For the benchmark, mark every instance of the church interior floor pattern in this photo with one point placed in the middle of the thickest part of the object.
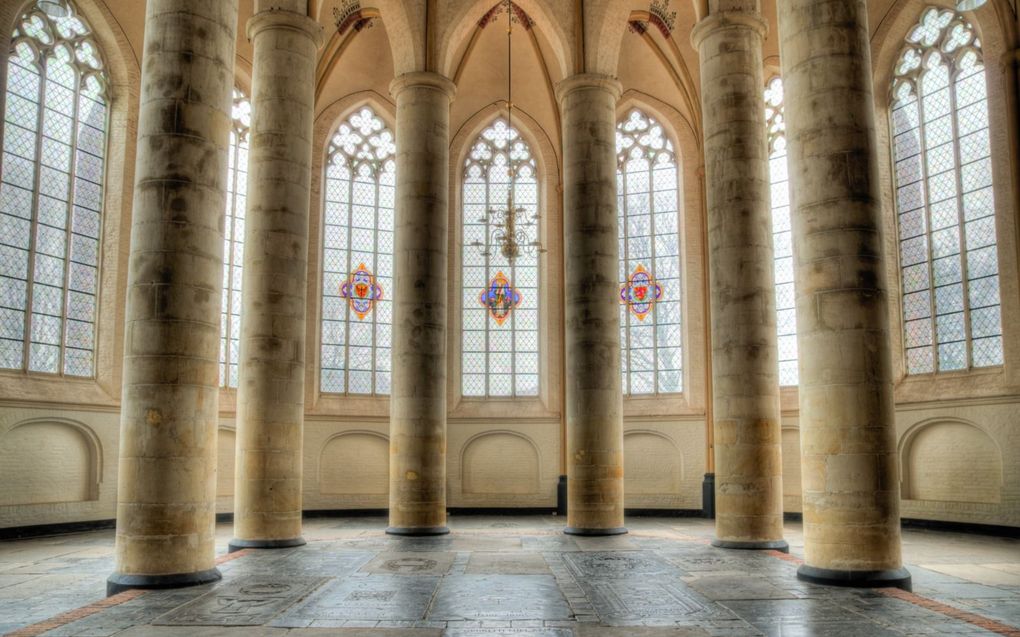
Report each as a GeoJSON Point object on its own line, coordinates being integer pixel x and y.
{"type": "Point", "coordinates": [514, 575]}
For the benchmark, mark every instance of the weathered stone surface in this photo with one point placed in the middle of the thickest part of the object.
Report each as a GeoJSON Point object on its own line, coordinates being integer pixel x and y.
{"type": "Point", "coordinates": [499, 597]}
{"type": "Point", "coordinates": [252, 601]}
{"type": "Point", "coordinates": [418, 563]}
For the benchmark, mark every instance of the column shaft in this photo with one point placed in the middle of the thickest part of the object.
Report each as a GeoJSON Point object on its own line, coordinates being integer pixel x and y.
{"type": "Point", "coordinates": [594, 399]}
{"type": "Point", "coordinates": [745, 368]}
{"type": "Point", "coordinates": [166, 480]}
{"type": "Point", "coordinates": [418, 394]}
{"type": "Point", "coordinates": [270, 395]}
{"type": "Point", "coordinates": [847, 432]}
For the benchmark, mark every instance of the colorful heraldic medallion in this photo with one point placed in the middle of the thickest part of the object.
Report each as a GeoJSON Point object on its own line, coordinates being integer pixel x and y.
{"type": "Point", "coordinates": [640, 292]}
{"type": "Point", "coordinates": [500, 298]}
{"type": "Point", "coordinates": [361, 291]}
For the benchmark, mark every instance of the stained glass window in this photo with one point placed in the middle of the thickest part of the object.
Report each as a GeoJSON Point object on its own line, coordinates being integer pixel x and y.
{"type": "Point", "coordinates": [944, 202]}
{"type": "Point", "coordinates": [357, 257]}
{"type": "Point", "coordinates": [786, 311]}
{"type": "Point", "coordinates": [499, 298]}
{"type": "Point", "coordinates": [233, 241]}
{"type": "Point", "coordinates": [51, 196]}
{"type": "Point", "coordinates": [649, 209]}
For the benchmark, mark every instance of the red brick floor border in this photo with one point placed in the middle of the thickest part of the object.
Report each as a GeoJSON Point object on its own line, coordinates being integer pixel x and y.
{"type": "Point", "coordinates": [64, 619]}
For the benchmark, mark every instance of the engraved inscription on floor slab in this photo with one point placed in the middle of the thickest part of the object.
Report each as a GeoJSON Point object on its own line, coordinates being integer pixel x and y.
{"type": "Point", "coordinates": [499, 597]}
{"type": "Point", "coordinates": [737, 587]}
{"type": "Point", "coordinates": [252, 602]}
{"type": "Point", "coordinates": [375, 597]}
{"type": "Point", "coordinates": [410, 563]}
{"type": "Point", "coordinates": [508, 632]}
{"type": "Point", "coordinates": [640, 599]}
{"type": "Point", "coordinates": [509, 563]}
{"type": "Point", "coordinates": [617, 564]}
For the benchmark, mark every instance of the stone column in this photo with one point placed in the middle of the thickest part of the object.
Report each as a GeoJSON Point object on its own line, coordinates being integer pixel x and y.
{"type": "Point", "coordinates": [847, 433]}
{"type": "Point", "coordinates": [418, 392]}
{"type": "Point", "coordinates": [166, 495]}
{"type": "Point", "coordinates": [594, 395]}
{"type": "Point", "coordinates": [745, 367]}
{"type": "Point", "coordinates": [270, 394]}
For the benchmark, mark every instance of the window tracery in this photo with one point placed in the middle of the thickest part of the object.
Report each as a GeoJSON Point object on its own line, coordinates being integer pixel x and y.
{"type": "Point", "coordinates": [648, 211]}
{"type": "Point", "coordinates": [944, 200]}
{"type": "Point", "coordinates": [499, 304]}
{"type": "Point", "coordinates": [51, 195]}
{"type": "Point", "coordinates": [357, 259]}
{"type": "Point", "coordinates": [782, 245]}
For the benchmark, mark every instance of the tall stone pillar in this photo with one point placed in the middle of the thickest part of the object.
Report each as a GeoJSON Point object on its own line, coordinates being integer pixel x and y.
{"type": "Point", "coordinates": [270, 394]}
{"type": "Point", "coordinates": [745, 368]}
{"type": "Point", "coordinates": [166, 495]}
{"type": "Point", "coordinates": [847, 434]}
{"type": "Point", "coordinates": [418, 391]}
{"type": "Point", "coordinates": [594, 395]}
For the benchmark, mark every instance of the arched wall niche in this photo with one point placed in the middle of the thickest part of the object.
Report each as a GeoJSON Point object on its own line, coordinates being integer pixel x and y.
{"type": "Point", "coordinates": [950, 460]}
{"type": "Point", "coordinates": [123, 76]}
{"type": "Point", "coordinates": [550, 267]}
{"type": "Point", "coordinates": [355, 463]}
{"type": "Point", "coordinates": [327, 122]}
{"type": "Point", "coordinates": [693, 259]}
{"type": "Point", "coordinates": [49, 460]}
{"type": "Point", "coordinates": [996, 27]}
{"type": "Point", "coordinates": [501, 462]}
{"type": "Point", "coordinates": [653, 464]}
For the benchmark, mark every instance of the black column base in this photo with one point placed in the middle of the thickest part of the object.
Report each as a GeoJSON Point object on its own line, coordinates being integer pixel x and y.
{"type": "Point", "coordinates": [561, 496]}
{"type": "Point", "coordinates": [708, 496]}
{"type": "Point", "coordinates": [892, 578]}
{"type": "Point", "coordinates": [573, 530]}
{"type": "Point", "coordinates": [417, 531]}
{"type": "Point", "coordinates": [764, 545]}
{"type": "Point", "coordinates": [118, 583]}
{"type": "Point", "coordinates": [238, 545]}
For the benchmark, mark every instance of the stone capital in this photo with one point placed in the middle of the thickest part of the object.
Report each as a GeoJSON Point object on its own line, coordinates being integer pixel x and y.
{"type": "Point", "coordinates": [728, 20]}
{"type": "Point", "coordinates": [423, 79]}
{"type": "Point", "coordinates": [588, 81]}
{"type": "Point", "coordinates": [281, 19]}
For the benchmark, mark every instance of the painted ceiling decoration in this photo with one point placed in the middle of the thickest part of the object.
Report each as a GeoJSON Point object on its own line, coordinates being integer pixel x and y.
{"type": "Point", "coordinates": [350, 16]}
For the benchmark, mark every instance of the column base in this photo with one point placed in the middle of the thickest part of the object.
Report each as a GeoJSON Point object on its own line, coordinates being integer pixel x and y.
{"type": "Point", "coordinates": [892, 578]}
{"type": "Point", "coordinates": [118, 583]}
{"type": "Point", "coordinates": [762, 545]}
{"type": "Point", "coordinates": [417, 531]}
{"type": "Point", "coordinates": [238, 545]}
{"type": "Point", "coordinates": [573, 530]}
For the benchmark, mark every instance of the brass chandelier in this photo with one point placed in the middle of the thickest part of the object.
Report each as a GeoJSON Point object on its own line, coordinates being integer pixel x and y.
{"type": "Point", "coordinates": [513, 230]}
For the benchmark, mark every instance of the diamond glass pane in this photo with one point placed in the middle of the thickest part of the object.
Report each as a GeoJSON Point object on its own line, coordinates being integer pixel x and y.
{"type": "Point", "coordinates": [233, 241]}
{"type": "Point", "coordinates": [357, 257]}
{"type": "Point", "coordinates": [944, 198]}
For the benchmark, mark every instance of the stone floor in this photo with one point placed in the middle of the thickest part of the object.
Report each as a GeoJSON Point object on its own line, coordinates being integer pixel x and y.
{"type": "Point", "coordinates": [511, 576]}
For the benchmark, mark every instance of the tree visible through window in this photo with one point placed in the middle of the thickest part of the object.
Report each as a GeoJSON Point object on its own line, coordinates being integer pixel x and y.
{"type": "Point", "coordinates": [499, 300]}
{"type": "Point", "coordinates": [357, 257]}
{"type": "Point", "coordinates": [648, 212]}
{"type": "Point", "coordinates": [51, 196]}
{"type": "Point", "coordinates": [233, 241]}
{"type": "Point", "coordinates": [944, 200]}
{"type": "Point", "coordinates": [786, 311]}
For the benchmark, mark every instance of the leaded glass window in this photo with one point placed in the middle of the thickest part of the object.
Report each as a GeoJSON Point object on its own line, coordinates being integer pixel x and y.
{"type": "Point", "coordinates": [944, 201]}
{"type": "Point", "coordinates": [648, 211]}
{"type": "Point", "coordinates": [499, 296]}
{"type": "Point", "coordinates": [233, 241]}
{"type": "Point", "coordinates": [51, 196]}
{"type": "Point", "coordinates": [357, 257]}
{"type": "Point", "coordinates": [786, 311]}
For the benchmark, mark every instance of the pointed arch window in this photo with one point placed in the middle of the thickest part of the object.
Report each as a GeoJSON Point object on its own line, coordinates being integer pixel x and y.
{"type": "Point", "coordinates": [786, 310]}
{"type": "Point", "coordinates": [233, 240]}
{"type": "Point", "coordinates": [944, 202]}
{"type": "Point", "coordinates": [51, 195]}
{"type": "Point", "coordinates": [357, 257]}
{"type": "Point", "coordinates": [499, 298]}
{"type": "Point", "coordinates": [648, 211]}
